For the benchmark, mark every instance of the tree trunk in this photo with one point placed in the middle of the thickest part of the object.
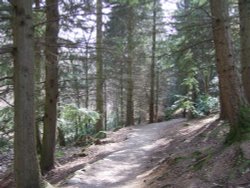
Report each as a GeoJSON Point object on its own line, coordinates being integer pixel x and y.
{"type": "Point", "coordinates": [121, 122]}
{"type": "Point", "coordinates": [51, 85]}
{"type": "Point", "coordinates": [86, 68]}
{"type": "Point", "coordinates": [105, 107]}
{"type": "Point", "coordinates": [130, 83]}
{"type": "Point", "coordinates": [38, 95]}
{"type": "Point", "coordinates": [26, 169]}
{"type": "Point", "coordinates": [244, 10]}
{"type": "Point", "coordinates": [222, 98]}
{"type": "Point", "coordinates": [157, 93]}
{"type": "Point", "coordinates": [99, 67]}
{"type": "Point", "coordinates": [61, 137]}
{"type": "Point", "coordinates": [76, 86]}
{"type": "Point", "coordinates": [152, 69]}
{"type": "Point", "coordinates": [37, 4]}
{"type": "Point", "coordinates": [230, 87]}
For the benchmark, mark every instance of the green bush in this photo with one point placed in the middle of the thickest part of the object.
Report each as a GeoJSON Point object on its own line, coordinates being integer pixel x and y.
{"type": "Point", "coordinates": [207, 104]}
{"type": "Point", "coordinates": [204, 105]}
{"type": "Point", "coordinates": [169, 113]}
{"type": "Point", "coordinates": [76, 122]}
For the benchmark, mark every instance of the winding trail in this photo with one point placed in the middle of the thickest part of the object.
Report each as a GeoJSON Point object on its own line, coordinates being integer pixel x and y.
{"type": "Point", "coordinates": [130, 162]}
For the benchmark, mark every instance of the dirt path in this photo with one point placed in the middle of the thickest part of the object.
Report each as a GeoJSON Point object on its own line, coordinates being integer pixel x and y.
{"type": "Point", "coordinates": [131, 160]}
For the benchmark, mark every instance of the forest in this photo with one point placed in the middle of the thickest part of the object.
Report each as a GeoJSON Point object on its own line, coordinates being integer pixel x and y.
{"type": "Point", "coordinates": [124, 93]}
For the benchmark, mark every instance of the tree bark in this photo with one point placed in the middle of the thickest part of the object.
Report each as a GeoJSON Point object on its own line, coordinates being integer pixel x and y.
{"type": "Point", "coordinates": [244, 10]}
{"type": "Point", "coordinates": [61, 137]}
{"type": "Point", "coordinates": [86, 68]}
{"type": "Point", "coordinates": [99, 67]}
{"type": "Point", "coordinates": [51, 85]}
{"type": "Point", "coordinates": [105, 107]}
{"type": "Point", "coordinates": [130, 82]}
{"type": "Point", "coordinates": [152, 69]}
{"type": "Point", "coordinates": [157, 93]}
{"type": "Point", "coordinates": [26, 169]}
{"type": "Point", "coordinates": [231, 92]}
{"type": "Point", "coordinates": [121, 80]}
{"type": "Point", "coordinates": [38, 95]}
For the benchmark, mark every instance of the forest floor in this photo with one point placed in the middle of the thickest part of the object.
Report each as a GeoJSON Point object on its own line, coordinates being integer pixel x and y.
{"type": "Point", "coordinates": [172, 154]}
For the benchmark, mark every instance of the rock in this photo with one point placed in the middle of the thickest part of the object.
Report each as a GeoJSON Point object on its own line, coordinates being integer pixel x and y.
{"type": "Point", "coordinates": [82, 154]}
{"type": "Point", "coordinates": [98, 142]}
{"type": "Point", "coordinates": [245, 148]}
{"type": "Point", "coordinates": [48, 185]}
{"type": "Point", "coordinates": [186, 124]}
{"type": "Point", "coordinates": [73, 181]}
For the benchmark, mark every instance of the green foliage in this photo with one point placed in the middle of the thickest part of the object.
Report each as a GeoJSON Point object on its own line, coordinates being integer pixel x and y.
{"type": "Point", "coordinates": [7, 117]}
{"type": "Point", "coordinates": [204, 105]}
{"type": "Point", "coordinates": [77, 122]}
{"type": "Point", "coordinates": [169, 113]}
{"type": "Point", "coordinates": [4, 143]}
{"type": "Point", "coordinates": [190, 82]}
{"type": "Point", "coordinates": [191, 55]}
{"type": "Point", "coordinates": [207, 104]}
{"type": "Point", "coordinates": [39, 17]}
{"type": "Point", "coordinates": [6, 126]}
{"type": "Point", "coordinates": [130, 2]}
{"type": "Point", "coordinates": [71, 113]}
{"type": "Point", "coordinates": [184, 102]}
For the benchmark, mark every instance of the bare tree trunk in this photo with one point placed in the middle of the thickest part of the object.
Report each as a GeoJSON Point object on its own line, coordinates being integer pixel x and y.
{"type": "Point", "coordinates": [37, 4]}
{"type": "Point", "coordinates": [121, 95]}
{"type": "Point", "coordinates": [152, 69]}
{"type": "Point", "coordinates": [86, 68]}
{"type": "Point", "coordinates": [26, 169]}
{"type": "Point", "coordinates": [51, 85]}
{"type": "Point", "coordinates": [38, 98]}
{"type": "Point", "coordinates": [222, 97]}
{"type": "Point", "coordinates": [76, 86]}
{"type": "Point", "coordinates": [105, 107]}
{"type": "Point", "coordinates": [99, 67]}
{"type": "Point", "coordinates": [130, 82]}
{"type": "Point", "coordinates": [61, 137]}
{"type": "Point", "coordinates": [230, 87]}
{"type": "Point", "coordinates": [157, 93]}
{"type": "Point", "coordinates": [244, 9]}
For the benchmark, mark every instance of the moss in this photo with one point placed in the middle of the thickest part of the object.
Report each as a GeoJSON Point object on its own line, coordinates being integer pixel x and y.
{"type": "Point", "coordinates": [241, 132]}
{"type": "Point", "coordinates": [241, 167]}
{"type": "Point", "coordinates": [201, 158]}
{"type": "Point", "coordinates": [242, 163]}
{"type": "Point", "coordinates": [179, 159]}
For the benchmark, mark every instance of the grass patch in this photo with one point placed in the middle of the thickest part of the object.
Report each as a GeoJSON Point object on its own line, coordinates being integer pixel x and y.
{"type": "Point", "coordinates": [59, 154]}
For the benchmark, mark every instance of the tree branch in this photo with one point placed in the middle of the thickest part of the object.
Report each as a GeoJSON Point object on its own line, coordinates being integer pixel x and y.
{"type": "Point", "coordinates": [6, 78]}
{"type": "Point", "coordinates": [1, 98]}
{"type": "Point", "coordinates": [6, 49]}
